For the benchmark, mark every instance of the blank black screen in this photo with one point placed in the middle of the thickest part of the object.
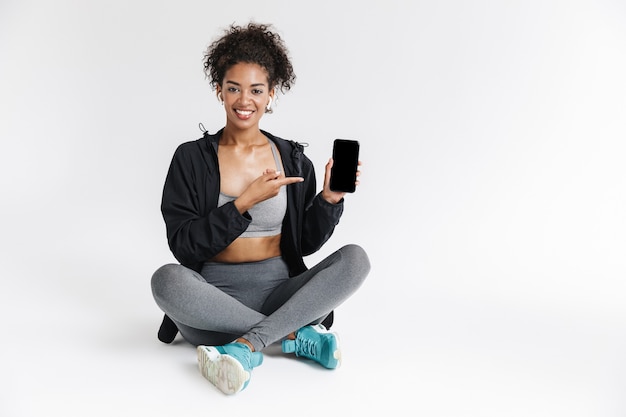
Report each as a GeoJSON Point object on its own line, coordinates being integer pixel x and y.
{"type": "Point", "coordinates": [345, 162]}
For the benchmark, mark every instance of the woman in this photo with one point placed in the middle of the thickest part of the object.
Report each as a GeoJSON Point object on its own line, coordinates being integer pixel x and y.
{"type": "Point", "coordinates": [241, 210]}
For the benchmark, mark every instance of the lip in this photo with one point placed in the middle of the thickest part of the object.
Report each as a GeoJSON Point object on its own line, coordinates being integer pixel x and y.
{"type": "Point", "coordinates": [244, 114]}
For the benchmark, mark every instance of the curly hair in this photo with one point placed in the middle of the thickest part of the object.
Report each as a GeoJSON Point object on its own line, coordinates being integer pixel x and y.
{"type": "Point", "coordinates": [254, 43]}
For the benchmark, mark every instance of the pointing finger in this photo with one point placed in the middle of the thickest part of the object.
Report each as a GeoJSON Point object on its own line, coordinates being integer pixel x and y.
{"type": "Point", "coordinates": [289, 180]}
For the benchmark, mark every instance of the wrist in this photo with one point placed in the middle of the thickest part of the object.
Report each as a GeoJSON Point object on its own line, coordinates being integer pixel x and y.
{"type": "Point", "coordinates": [332, 199]}
{"type": "Point", "coordinates": [242, 205]}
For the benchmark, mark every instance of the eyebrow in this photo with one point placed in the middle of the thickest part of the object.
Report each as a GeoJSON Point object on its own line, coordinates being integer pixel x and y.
{"type": "Point", "coordinates": [253, 85]}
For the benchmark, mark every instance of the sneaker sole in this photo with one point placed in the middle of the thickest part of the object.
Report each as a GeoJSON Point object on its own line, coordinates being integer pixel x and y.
{"type": "Point", "coordinates": [336, 353]}
{"type": "Point", "coordinates": [335, 348]}
{"type": "Point", "coordinates": [223, 371]}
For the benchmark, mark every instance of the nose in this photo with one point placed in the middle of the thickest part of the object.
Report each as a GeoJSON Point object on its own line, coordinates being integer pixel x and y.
{"type": "Point", "coordinates": [245, 97]}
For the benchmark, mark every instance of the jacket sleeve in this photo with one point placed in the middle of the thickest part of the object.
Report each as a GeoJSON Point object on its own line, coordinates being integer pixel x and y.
{"type": "Point", "coordinates": [196, 233]}
{"type": "Point", "coordinates": [320, 216]}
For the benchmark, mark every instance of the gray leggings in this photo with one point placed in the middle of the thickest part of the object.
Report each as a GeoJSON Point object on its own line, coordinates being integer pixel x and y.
{"type": "Point", "coordinates": [257, 301]}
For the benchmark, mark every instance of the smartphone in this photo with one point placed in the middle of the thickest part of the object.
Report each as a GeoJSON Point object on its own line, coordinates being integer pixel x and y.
{"type": "Point", "coordinates": [345, 165]}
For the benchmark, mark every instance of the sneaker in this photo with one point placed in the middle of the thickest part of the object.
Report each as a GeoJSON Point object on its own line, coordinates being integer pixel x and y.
{"type": "Point", "coordinates": [316, 343]}
{"type": "Point", "coordinates": [168, 330]}
{"type": "Point", "coordinates": [228, 367]}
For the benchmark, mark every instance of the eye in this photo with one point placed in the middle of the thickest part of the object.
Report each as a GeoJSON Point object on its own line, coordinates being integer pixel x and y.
{"type": "Point", "coordinates": [257, 91]}
{"type": "Point", "coordinates": [233, 89]}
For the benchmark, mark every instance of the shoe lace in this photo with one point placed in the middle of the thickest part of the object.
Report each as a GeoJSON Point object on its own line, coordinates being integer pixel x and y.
{"type": "Point", "coordinates": [308, 347]}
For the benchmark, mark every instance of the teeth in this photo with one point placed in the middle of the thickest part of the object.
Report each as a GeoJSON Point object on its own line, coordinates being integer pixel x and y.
{"type": "Point", "coordinates": [244, 112]}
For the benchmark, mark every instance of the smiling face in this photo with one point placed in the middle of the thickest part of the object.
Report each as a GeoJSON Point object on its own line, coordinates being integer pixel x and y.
{"type": "Point", "coordinates": [246, 93]}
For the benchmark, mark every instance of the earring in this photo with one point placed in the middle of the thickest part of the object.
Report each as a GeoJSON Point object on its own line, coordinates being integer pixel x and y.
{"type": "Point", "coordinates": [268, 108]}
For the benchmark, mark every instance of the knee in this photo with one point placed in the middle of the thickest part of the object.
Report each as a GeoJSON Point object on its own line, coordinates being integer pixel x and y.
{"type": "Point", "coordinates": [357, 258]}
{"type": "Point", "coordinates": [162, 278]}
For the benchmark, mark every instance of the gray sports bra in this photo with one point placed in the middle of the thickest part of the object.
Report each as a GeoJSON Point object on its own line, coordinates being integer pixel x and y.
{"type": "Point", "coordinates": [267, 216]}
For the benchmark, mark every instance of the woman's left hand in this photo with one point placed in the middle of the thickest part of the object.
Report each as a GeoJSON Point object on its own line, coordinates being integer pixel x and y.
{"type": "Point", "coordinates": [334, 197]}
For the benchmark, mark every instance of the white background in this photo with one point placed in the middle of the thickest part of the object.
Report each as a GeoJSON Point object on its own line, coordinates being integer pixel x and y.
{"type": "Point", "coordinates": [492, 203]}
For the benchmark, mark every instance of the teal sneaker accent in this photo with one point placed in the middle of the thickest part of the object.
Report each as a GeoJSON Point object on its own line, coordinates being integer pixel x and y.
{"type": "Point", "coordinates": [228, 367]}
{"type": "Point", "coordinates": [316, 343]}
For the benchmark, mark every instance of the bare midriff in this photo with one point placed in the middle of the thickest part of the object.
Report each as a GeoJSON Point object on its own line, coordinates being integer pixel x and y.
{"type": "Point", "coordinates": [250, 249]}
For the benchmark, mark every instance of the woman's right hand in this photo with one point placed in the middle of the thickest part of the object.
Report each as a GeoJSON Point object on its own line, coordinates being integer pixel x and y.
{"type": "Point", "coordinates": [263, 188]}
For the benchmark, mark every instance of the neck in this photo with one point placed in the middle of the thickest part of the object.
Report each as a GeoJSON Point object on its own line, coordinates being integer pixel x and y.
{"type": "Point", "coordinates": [247, 137]}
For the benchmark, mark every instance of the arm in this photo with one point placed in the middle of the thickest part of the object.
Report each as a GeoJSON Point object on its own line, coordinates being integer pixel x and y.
{"type": "Point", "coordinates": [325, 211]}
{"type": "Point", "coordinates": [196, 233]}
{"type": "Point", "coordinates": [320, 216]}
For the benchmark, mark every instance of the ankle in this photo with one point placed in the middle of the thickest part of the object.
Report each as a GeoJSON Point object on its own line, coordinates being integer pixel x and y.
{"type": "Point", "coordinates": [245, 342]}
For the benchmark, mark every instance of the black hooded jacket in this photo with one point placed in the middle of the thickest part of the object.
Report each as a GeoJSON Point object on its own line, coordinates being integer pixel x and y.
{"type": "Point", "coordinates": [197, 229]}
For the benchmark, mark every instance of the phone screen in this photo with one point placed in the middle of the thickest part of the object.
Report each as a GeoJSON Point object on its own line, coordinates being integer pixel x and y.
{"type": "Point", "coordinates": [345, 165]}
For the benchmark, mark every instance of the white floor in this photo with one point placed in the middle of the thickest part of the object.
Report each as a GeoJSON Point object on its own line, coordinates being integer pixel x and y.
{"type": "Point", "coordinates": [81, 342]}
